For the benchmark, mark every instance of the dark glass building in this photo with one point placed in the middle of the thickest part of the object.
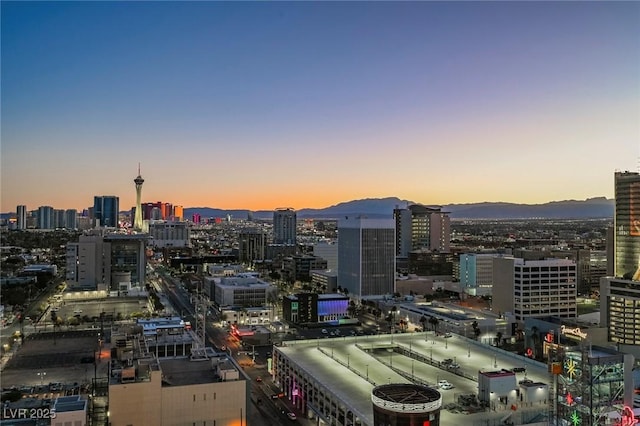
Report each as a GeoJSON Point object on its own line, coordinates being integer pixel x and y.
{"type": "Point", "coordinates": [105, 211]}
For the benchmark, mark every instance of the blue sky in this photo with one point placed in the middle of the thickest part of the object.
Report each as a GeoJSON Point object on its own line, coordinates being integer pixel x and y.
{"type": "Point", "coordinates": [307, 104]}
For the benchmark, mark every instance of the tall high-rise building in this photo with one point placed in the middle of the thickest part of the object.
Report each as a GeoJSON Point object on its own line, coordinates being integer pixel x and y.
{"type": "Point", "coordinates": [419, 227]}
{"type": "Point", "coordinates": [45, 217]}
{"type": "Point", "coordinates": [626, 224]}
{"type": "Point", "coordinates": [284, 226]}
{"type": "Point", "coordinates": [137, 221]}
{"type": "Point", "coordinates": [59, 219]}
{"type": "Point", "coordinates": [21, 211]}
{"type": "Point", "coordinates": [366, 256]}
{"type": "Point", "coordinates": [71, 219]}
{"type": "Point", "coordinates": [105, 211]}
{"type": "Point", "coordinates": [620, 294]}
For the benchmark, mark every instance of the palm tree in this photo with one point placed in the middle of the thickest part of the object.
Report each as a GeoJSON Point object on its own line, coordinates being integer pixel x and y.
{"type": "Point", "coordinates": [477, 332]}
{"type": "Point", "coordinates": [434, 322]}
{"type": "Point", "coordinates": [351, 309]}
{"type": "Point", "coordinates": [535, 337]}
{"type": "Point", "coordinates": [423, 320]}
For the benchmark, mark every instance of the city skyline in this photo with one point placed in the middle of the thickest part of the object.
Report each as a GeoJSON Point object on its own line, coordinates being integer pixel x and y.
{"type": "Point", "coordinates": [260, 105]}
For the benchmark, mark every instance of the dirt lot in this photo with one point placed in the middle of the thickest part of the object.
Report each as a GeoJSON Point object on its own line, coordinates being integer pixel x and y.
{"type": "Point", "coordinates": [60, 358]}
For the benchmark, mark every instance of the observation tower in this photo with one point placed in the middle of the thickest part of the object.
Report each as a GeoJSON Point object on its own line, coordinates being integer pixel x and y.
{"type": "Point", "coordinates": [137, 222]}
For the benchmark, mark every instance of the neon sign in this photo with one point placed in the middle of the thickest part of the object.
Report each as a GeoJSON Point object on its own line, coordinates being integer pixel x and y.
{"type": "Point", "coordinates": [573, 331]}
{"type": "Point", "coordinates": [627, 417]}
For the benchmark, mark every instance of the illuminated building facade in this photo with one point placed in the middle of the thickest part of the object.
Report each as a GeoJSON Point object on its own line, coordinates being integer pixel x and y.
{"type": "Point", "coordinates": [627, 226]}
{"type": "Point", "coordinates": [594, 384]}
{"type": "Point", "coordinates": [313, 308]}
{"type": "Point", "coordinates": [419, 227]}
{"type": "Point", "coordinates": [620, 295]}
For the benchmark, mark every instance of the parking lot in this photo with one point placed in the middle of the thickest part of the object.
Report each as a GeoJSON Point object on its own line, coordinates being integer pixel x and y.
{"type": "Point", "coordinates": [91, 309]}
{"type": "Point", "coordinates": [66, 357]}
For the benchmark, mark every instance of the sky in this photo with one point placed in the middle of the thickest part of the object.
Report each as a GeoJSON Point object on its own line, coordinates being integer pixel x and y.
{"type": "Point", "coordinates": [261, 105]}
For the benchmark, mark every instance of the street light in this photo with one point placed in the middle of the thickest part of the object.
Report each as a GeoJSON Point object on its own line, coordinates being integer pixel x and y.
{"type": "Point", "coordinates": [348, 364]}
{"type": "Point", "coordinates": [41, 374]}
{"type": "Point", "coordinates": [367, 372]}
{"type": "Point", "coordinates": [468, 351]}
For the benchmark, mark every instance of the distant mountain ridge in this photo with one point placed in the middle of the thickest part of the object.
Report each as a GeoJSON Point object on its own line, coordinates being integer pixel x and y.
{"type": "Point", "coordinates": [593, 208]}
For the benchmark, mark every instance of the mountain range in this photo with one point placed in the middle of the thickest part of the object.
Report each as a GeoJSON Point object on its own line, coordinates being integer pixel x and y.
{"type": "Point", "coordinates": [593, 208]}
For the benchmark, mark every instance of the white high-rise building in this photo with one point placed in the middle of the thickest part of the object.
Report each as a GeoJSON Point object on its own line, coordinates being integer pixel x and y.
{"type": "Point", "coordinates": [366, 256]}
{"type": "Point", "coordinates": [535, 288]}
{"type": "Point", "coordinates": [284, 226]}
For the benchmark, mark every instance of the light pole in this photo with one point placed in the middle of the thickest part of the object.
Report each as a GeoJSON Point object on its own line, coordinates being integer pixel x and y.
{"type": "Point", "coordinates": [431, 354]}
{"type": "Point", "coordinates": [348, 364]}
{"type": "Point", "coordinates": [495, 361]}
{"type": "Point", "coordinates": [468, 351]}
{"type": "Point", "coordinates": [42, 374]}
{"type": "Point", "coordinates": [412, 373]}
{"type": "Point", "coordinates": [367, 372]}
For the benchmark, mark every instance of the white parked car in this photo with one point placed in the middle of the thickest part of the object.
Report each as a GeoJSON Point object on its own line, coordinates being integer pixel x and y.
{"type": "Point", "coordinates": [446, 386]}
{"type": "Point", "coordinates": [442, 382]}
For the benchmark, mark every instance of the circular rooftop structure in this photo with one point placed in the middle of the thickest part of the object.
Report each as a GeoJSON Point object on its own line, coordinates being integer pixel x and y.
{"type": "Point", "coordinates": [406, 398]}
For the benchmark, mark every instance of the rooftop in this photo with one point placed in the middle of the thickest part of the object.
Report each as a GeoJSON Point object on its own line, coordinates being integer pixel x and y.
{"type": "Point", "coordinates": [70, 403]}
{"type": "Point", "coordinates": [183, 372]}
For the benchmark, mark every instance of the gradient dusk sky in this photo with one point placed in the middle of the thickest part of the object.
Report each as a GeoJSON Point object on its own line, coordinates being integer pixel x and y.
{"type": "Point", "coordinates": [261, 105]}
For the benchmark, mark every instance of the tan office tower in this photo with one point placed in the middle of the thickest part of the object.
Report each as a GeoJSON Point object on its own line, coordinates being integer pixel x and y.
{"type": "Point", "coordinates": [627, 226]}
{"type": "Point", "coordinates": [137, 222]}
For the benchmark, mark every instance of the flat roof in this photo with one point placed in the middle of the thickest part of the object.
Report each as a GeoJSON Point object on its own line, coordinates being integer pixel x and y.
{"type": "Point", "coordinates": [501, 373]}
{"type": "Point", "coordinates": [183, 372]}
{"type": "Point", "coordinates": [351, 367]}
